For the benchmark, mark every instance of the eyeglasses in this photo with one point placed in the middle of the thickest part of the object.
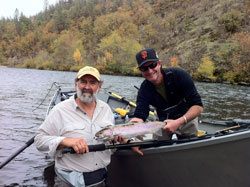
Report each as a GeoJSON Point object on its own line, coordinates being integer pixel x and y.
{"type": "Point", "coordinates": [145, 68]}
{"type": "Point", "coordinates": [85, 82]}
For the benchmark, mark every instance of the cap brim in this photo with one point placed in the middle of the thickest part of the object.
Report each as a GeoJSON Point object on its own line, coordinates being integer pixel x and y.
{"type": "Point", "coordinates": [89, 74]}
{"type": "Point", "coordinates": [148, 60]}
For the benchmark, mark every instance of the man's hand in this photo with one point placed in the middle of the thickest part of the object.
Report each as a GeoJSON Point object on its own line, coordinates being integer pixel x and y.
{"type": "Point", "coordinates": [124, 141]}
{"type": "Point", "coordinates": [78, 144]}
{"type": "Point", "coordinates": [137, 150]}
{"type": "Point", "coordinates": [116, 139]}
{"type": "Point", "coordinates": [171, 126]}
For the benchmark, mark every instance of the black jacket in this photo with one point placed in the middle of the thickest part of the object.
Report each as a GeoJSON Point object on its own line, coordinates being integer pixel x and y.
{"type": "Point", "coordinates": [181, 95]}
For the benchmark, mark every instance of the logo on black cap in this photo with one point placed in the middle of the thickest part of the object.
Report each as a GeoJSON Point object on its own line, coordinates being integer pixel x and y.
{"type": "Point", "coordinates": [146, 55]}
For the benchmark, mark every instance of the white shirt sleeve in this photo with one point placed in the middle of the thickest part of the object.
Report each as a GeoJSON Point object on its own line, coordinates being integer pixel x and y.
{"type": "Point", "coordinates": [47, 137]}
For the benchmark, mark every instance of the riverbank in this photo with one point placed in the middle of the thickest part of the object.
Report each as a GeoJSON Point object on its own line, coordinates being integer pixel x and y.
{"type": "Point", "coordinates": [137, 73]}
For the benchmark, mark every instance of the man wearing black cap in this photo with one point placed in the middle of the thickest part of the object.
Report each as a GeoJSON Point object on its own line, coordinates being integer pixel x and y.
{"type": "Point", "coordinates": [173, 94]}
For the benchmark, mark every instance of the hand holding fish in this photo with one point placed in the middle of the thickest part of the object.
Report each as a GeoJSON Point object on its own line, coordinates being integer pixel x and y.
{"type": "Point", "coordinates": [137, 150]}
{"type": "Point", "coordinates": [117, 139]}
{"type": "Point", "coordinates": [123, 132]}
{"type": "Point", "coordinates": [130, 130]}
{"type": "Point", "coordinates": [124, 141]}
{"type": "Point", "coordinates": [171, 126]}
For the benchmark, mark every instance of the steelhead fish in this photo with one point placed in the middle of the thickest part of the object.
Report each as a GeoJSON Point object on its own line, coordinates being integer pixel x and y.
{"type": "Point", "coordinates": [130, 130]}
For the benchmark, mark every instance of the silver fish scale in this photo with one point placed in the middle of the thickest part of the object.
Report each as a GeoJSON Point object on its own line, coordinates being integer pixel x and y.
{"type": "Point", "coordinates": [130, 130]}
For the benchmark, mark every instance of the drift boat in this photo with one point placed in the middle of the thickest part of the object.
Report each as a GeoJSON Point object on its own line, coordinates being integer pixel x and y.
{"type": "Point", "coordinates": [215, 159]}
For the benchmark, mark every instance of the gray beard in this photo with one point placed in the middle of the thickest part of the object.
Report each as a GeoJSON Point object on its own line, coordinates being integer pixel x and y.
{"type": "Point", "coordinates": [86, 97]}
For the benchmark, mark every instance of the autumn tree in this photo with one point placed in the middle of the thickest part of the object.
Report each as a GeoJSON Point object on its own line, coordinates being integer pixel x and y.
{"type": "Point", "coordinates": [241, 57]}
{"type": "Point", "coordinates": [76, 10]}
{"type": "Point", "coordinates": [174, 62]}
{"type": "Point", "coordinates": [206, 69]}
{"type": "Point", "coordinates": [106, 24]}
{"type": "Point", "coordinates": [77, 57]}
{"type": "Point", "coordinates": [25, 25]}
{"type": "Point", "coordinates": [61, 20]}
{"type": "Point", "coordinates": [63, 51]}
{"type": "Point", "coordinates": [231, 20]}
{"type": "Point", "coordinates": [121, 52]}
{"type": "Point", "coordinates": [45, 9]}
{"type": "Point", "coordinates": [2, 60]}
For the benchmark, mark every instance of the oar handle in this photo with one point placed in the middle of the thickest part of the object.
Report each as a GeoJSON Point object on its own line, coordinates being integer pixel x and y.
{"type": "Point", "coordinates": [68, 150]}
{"type": "Point", "coordinates": [102, 147]}
{"type": "Point", "coordinates": [92, 148]}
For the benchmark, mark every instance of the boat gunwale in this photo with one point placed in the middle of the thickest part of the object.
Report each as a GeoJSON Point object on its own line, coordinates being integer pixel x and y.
{"type": "Point", "coordinates": [213, 140]}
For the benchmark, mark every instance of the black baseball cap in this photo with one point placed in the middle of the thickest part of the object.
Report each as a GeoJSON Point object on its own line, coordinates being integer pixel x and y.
{"type": "Point", "coordinates": [146, 55]}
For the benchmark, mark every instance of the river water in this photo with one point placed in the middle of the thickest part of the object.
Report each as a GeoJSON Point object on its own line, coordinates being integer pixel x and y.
{"type": "Point", "coordinates": [23, 90]}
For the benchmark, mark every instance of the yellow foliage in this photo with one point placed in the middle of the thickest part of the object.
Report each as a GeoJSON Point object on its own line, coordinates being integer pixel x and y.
{"type": "Point", "coordinates": [119, 50]}
{"type": "Point", "coordinates": [136, 71]}
{"type": "Point", "coordinates": [174, 62]}
{"type": "Point", "coordinates": [48, 27]}
{"type": "Point", "coordinates": [206, 68]}
{"type": "Point", "coordinates": [109, 56]}
{"type": "Point", "coordinates": [229, 76]}
{"type": "Point", "coordinates": [104, 61]}
{"type": "Point", "coordinates": [101, 69]}
{"type": "Point", "coordinates": [77, 57]}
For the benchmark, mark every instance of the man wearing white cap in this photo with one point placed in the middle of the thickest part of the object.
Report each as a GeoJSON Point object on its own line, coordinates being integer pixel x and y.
{"type": "Point", "coordinates": [73, 123]}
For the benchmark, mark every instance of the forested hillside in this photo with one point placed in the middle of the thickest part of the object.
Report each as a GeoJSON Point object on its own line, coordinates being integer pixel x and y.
{"type": "Point", "coordinates": [208, 38]}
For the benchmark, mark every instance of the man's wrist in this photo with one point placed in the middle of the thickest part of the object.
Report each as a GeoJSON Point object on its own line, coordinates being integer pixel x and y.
{"type": "Point", "coordinates": [185, 119]}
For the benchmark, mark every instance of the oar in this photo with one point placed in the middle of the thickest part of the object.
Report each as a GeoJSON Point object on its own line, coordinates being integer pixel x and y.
{"type": "Point", "coordinates": [27, 144]}
{"type": "Point", "coordinates": [123, 99]}
{"type": "Point", "coordinates": [145, 144]}
{"type": "Point", "coordinates": [222, 123]}
{"type": "Point", "coordinates": [235, 122]}
{"type": "Point", "coordinates": [227, 129]}
{"type": "Point", "coordinates": [127, 101]}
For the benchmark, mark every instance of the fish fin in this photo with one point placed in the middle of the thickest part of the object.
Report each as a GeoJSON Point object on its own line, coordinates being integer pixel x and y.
{"type": "Point", "coordinates": [158, 133]}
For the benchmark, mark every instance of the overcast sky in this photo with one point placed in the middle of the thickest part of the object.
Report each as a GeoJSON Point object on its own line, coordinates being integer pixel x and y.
{"type": "Point", "coordinates": [27, 7]}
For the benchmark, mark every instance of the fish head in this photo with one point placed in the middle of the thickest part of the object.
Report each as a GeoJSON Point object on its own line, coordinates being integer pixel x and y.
{"type": "Point", "coordinates": [104, 134]}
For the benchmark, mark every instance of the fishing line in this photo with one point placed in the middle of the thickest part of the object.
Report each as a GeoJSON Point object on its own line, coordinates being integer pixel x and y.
{"type": "Point", "coordinates": [54, 83]}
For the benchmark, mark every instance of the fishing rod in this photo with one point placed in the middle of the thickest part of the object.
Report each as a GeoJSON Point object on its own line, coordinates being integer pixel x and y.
{"type": "Point", "coordinates": [144, 144]}
{"type": "Point", "coordinates": [27, 144]}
